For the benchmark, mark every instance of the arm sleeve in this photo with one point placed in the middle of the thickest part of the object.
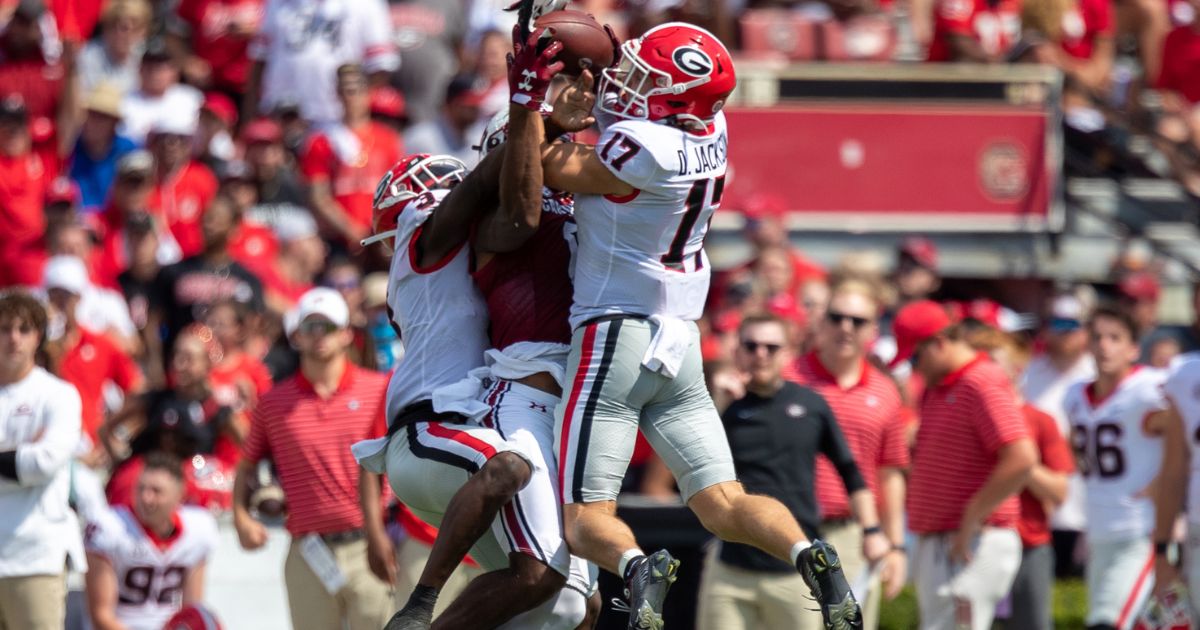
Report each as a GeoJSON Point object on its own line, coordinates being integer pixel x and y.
{"type": "Point", "coordinates": [257, 446]}
{"type": "Point", "coordinates": [998, 417]}
{"type": "Point", "coordinates": [38, 462]}
{"type": "Point", "coordinates": [834, 447]}
{"type": "Point", "coordinates": [629, 157]}
{"type": "Point", "coordinates": [379, 52]}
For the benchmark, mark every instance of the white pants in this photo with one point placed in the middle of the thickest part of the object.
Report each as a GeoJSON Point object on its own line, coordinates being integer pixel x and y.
{"type": "Point", "coordinates": [1120, 578]}
{"type": "Point", "coordinates": [952, 595]}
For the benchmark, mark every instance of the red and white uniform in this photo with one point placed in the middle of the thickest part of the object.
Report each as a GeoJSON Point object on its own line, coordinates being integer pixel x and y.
{"type": "Point", "coordinates": [151, 572]}
{"type": "Point", "coordinates": [302, 43]}
{"type": "Point", "coordinates": [1118, 460]}
{"type": "Point", "coordinates": [996, 28]}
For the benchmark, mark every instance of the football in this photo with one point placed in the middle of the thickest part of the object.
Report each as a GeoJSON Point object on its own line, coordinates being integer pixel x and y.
{"type": "Point", "coordinates": [585, 43]}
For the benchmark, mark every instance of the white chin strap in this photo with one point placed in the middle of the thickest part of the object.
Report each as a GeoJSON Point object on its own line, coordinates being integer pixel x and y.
{"type": "Point", "coordinates": [375, 238]}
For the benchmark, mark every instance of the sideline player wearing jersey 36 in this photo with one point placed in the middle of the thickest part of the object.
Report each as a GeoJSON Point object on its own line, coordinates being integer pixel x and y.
{"type": "Point", "coordinates": [1117, 427]}
{"type": "Point", "coordinates": [145, 563]}
{"type": "Point", "coordinates": [645, 194]}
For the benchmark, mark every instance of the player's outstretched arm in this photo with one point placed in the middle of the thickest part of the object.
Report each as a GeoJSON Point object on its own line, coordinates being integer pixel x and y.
{"type": "Point", "coordinates": [450, 225]}
{"type": "Point", "coordinates": [576, 168]}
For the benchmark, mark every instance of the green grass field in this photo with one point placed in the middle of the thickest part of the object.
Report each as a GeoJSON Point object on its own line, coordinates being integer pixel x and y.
{"type": "Point", "coordinates": [1070, 604]}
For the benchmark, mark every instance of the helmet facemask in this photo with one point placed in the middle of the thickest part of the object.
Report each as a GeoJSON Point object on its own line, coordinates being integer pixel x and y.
{"type": "Point", "coordinates": [626, 88]}
{"type": "Point", "coordinates": [432, 173]}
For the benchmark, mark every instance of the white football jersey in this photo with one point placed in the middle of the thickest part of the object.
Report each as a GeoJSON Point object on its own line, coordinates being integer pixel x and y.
{"type": "Point", "coordinates": [441, 315]}
{"type": "Point", "coordinates": [643, 254]}
{"type": "Point", "coordinates": [1116, 456]}
{"type": "Point", "coordinates": [151, 573]}
{"type": "Point", "coordinates": [1183, 388]}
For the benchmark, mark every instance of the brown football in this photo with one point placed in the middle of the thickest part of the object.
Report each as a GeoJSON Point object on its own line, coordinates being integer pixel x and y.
{"type": "Point", "coordinates": [582, 38]}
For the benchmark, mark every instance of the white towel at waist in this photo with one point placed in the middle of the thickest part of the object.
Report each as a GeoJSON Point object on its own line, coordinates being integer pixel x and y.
{"type": "Point", "coordinates": [669, 345]}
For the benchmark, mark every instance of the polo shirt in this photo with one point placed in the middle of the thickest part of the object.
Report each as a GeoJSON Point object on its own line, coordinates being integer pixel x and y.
{"type": "Point", "coordinates": [869, 415]}
{"type": "Point", "coordinates": [308, 438]}
{"type": "Point", "coordinates": [965, 420]}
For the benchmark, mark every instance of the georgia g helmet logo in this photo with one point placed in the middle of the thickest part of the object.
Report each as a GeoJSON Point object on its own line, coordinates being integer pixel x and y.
{"type": "Point", "coordinates": [692, 61]}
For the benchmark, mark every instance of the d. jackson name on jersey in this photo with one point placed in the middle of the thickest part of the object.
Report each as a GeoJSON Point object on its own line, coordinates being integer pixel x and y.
{"type": "Point", "coordinates": [703, 158]}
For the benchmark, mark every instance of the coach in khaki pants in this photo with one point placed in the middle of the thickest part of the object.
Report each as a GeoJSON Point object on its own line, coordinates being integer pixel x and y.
{"type": "Point", "coordinates": [973, 454]}
{"type": "Point", "coordinates": [39, 430]}
{"type": "Point", "coordinates": [775, 432]}
{"type": "Point", "coordinates": [305, 425]}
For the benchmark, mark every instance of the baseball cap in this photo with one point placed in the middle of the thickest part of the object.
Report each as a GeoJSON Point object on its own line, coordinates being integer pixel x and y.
{"type": "Point", "coordinates": [67, 273]}
{"type": "Point", "coordinates": [62, 190]}
{"type": "Point", "coordinates": [1066, 314]}
{"type": "Point", "coordinates": [105, 99]}
{"type": "Point", "coordinates": [322, 301]}
{"type": "Point", "coordinates": [136, 162]}
{"type": "Point", "coordinates": [177, 122]}
{"type": "Point", "coordinates": [296, 226]}
{"type": "Point", "coordinates": [262, 130]}
{"type": "Point", "coordinates": [235, 170]}
{"type": "Point", "coordinates": [1140, 286]}
{"type": "Point", "coordinates": [386, 101]}
{"type": "Point", "coordinates": [922, 250]}
{"type": "Point", "coordinates": [222, 107]}
{"type": "Point", "coordinates": [915, 323]}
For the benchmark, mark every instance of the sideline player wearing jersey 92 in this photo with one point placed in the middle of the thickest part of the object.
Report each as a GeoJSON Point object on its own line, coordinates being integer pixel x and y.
{"type": "Point", "coordinates": [1117, 426]}
{"type": "Point", "coordinates": [644, 197]}
{"type": "Point", "coordinates": [148, 562]}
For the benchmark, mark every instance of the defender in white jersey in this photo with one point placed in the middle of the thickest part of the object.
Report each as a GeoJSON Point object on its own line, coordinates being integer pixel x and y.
{"type": "Point", "coordinates": [1117, 426]}
{"type": "Point", "coordinates": [1180, 478]}
{"type": "Point", "coordinates": [644, 196]}
{"type": "Point", "coordinates": [148, 562]}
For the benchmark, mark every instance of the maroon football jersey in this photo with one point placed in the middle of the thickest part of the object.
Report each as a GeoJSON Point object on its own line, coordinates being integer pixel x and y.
{"type": "Point", "coordinates": [528, 291]}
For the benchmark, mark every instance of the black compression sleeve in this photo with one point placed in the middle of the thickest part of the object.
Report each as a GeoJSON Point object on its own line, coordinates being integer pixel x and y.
{"type": "Point", "coordinates": [8, 465]}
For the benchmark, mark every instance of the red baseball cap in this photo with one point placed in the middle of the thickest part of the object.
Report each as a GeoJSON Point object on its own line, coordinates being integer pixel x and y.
{"type": "Point", "coordinates": [262, 130]}
{"type": "Point", "coordinates": [1140, 286]}
{"type": "Point", "coordinates": [915, 323]}
{"type": "Point", "coordinates": [386, 101]}
{"type": "Point", "coordinates": [63, 190]}
{"type": "Point", "coordinates": [222, 107]}
{"type": "Point", "coordinates": [921, 250]}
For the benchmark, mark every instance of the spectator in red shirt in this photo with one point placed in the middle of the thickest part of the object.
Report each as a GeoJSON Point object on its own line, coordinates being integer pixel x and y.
{"type": "Point", "coordinates": [82, 358]}
{"type": "Point", "coordinates": [1080, 38]}
{"type": "Point", "coordinates": [252, 244]}
{"type": "Point", "coordinates": [23, 182]}
{"type": "Point", "coordinates": [980, 31]}
{"type": "Point", "coordinates": [296, 268]}
{"type": "Point", "coordinates": [129, 206]}
{"type": "Point", "coordinates": [306, 425]}
{"type": "Point", "coordinates": [344, 162]}
{"type": "Point", "coordinates": [35, 65]}
{"type": "Point", "coordinates": [210, 38]}
{"type": "Point", "coordinates": [183, 187]}
{"type": "Point", "coordinates": [972, 455]}
{"type": "Point", "coordinates": [1180, 74]}
{"type": "Point", "coordinates": [1032, 590]}
{"type": "Point", "coordinates": [867, 406]}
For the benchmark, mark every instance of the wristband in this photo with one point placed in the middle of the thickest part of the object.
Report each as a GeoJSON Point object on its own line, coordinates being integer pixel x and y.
{"type": "Point", "coordinates": [874, 529]}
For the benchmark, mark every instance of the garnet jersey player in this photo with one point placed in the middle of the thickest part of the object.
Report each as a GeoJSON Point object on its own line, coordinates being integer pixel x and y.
{"type": "Point", "coordinates": [145, 563]}
{"type": "Point", "coordinates": [1117, 423]}
{"type": "Point", "coordinates": [644, 196]}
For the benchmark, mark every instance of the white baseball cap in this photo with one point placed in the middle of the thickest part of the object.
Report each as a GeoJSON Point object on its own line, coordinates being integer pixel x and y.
{"type": "Point", "coordinates": [295, 227]}
{"type": "Point", "coordinates": [67, 273]}
{"type": "Point", "coordinates": [323, 301]}
{"type": "Point", "coordinates": [178, 121]}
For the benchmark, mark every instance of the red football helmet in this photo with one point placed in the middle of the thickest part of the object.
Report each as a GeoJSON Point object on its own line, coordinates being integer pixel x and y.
{"type": "Point", "coordinates": [193, 617]}
{"type": "Point", "coordinates": [410, 177]}
{"type": "Point", "coordinates": [675, 71]}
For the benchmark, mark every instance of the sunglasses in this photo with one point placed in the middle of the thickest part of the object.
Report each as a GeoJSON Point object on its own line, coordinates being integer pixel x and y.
{"type": "Point", "coordinates": [317, 328]}
{"type": "Point", "coordinates": [753, 346]}
{"type": "Point", "coordinates": [837, 318]}
{"type": "Point", "coordinates": [344, 285]}
{"type": "Point", "coordinates": [1063, 324]}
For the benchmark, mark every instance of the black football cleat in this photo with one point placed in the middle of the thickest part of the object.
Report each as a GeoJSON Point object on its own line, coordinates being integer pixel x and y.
{"type": "Point", "coordinates": [650, 577]}
{"type": "Point", "coordinates": [821, 569]}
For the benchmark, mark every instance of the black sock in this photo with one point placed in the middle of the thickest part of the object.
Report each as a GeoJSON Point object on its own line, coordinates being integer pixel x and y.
{"type": "Point", "coordinates": [423, 598]}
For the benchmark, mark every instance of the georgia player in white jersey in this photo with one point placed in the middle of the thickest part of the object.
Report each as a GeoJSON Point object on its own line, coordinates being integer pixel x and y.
{"type": "Point", "coordinates": [644, 196]}
{"type": "Point", "coordinates": [146, 563]}
{"type": "Point", "coordinates": [1180, 478]}
{"type": "Point", "coordinates": [1117, 427]}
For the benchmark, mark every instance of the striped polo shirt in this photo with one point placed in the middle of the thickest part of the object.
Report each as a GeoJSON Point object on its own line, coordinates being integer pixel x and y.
{"type": "Point", "coordinates": [965, 420]}
{"type": "Point", "coordinates": [869, 414]}
{"type": "Point", "coordinates": [308, 438]}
